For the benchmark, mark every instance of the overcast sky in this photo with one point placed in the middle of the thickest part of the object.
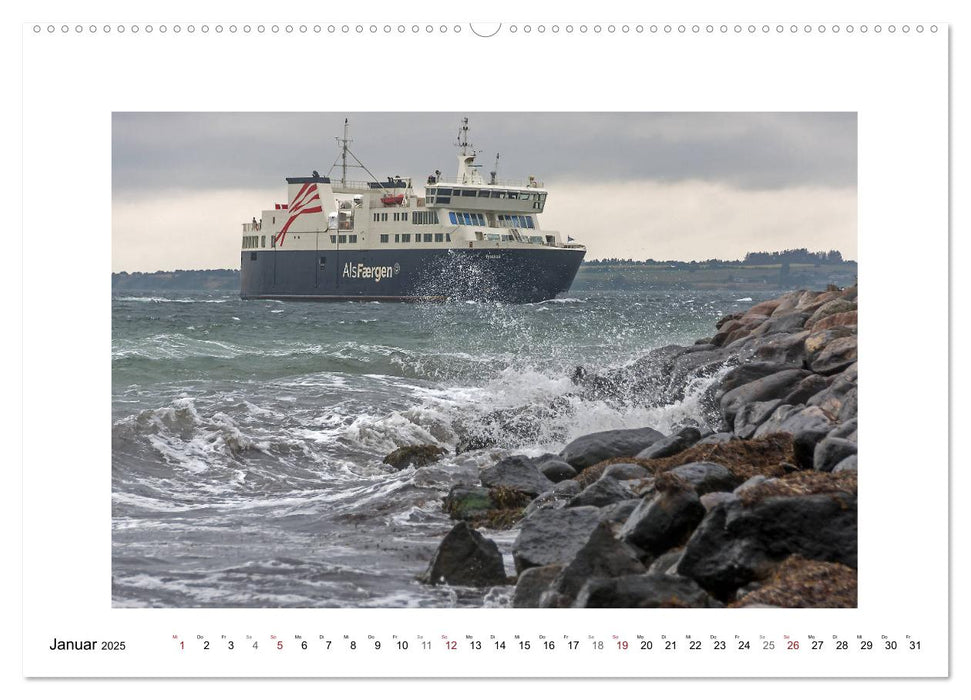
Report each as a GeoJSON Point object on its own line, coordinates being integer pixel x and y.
{"type": "Point", "coordinates": [630, 185]}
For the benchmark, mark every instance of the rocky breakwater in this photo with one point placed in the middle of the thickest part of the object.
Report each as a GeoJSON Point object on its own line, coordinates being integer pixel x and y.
{"type": "Point", "coordinates": [754, 503]}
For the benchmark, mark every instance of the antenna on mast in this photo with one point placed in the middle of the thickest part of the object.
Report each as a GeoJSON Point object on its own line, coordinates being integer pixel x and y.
{"type": "Point", "coordinates": [495, 171]}
{"type": "Point", "coordinates": [462, 140]}
{"type": "Point", "coordinates": [342, 143]}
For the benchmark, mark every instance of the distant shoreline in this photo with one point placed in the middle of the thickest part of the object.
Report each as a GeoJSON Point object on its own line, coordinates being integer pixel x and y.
{"type": "Point", "coordinates": [593, 276]}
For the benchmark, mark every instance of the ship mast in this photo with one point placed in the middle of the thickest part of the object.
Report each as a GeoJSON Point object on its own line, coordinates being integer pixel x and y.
{"type": "Point", "coordinates": [342, 143]}
{"type": "Point", "coordinates": [345, 151]}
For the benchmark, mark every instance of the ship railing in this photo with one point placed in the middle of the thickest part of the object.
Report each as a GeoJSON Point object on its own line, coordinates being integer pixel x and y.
{"type": "Point", "coordinates": [499, 182]}
{"type": "Point", "coordinates": [250, 227]}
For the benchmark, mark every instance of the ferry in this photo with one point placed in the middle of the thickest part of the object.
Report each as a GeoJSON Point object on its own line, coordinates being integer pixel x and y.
{"type": "Point", "coordinates": [376, 240]}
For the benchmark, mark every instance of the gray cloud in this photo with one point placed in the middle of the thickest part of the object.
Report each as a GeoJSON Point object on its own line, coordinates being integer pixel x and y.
{"type": "Point", "coordinates": [200, 151]}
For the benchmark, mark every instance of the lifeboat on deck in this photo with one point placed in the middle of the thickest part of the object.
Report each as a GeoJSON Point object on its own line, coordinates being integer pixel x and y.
{"type": "Point", "coordinates": [391, 200]}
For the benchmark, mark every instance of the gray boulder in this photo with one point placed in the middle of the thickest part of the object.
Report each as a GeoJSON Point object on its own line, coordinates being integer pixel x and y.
{"type": "Point", "coordinates": [553, 536]}
{"type": "Point", "coordinates": [795, 419]}
{"type": "Point", "coordinates": [644, 591]}
{"type": "Point", "coordinates": [603, 556]}
{"type": "Point", "coordinates": [706, 476]}
{"type": "Point", "coordinates": [774, 386]}
{"type": "Point", "coordinates": [590, 449]}
{"type": "Point", "coordinates": [517, 473]}
{"type": "Point", "coordinates": [831, 451]}
{"type": "Point", "coordinates": [664, 522]}
{"type": "Point", "coordinates": [532, 583]}
{"type": "Point", "coordinates": [556, 470]}
{"type": "Point", "coordinates": [466, 558]}
{"type": "Point", "coordinates": [846, 465]}
{"type": "Point", "coordinates": [624, 471]}
{"type": "Point", "coordinates": [751, 416]}
{"type": "Point", "coordinates": [671, 445]}
{"type": "Point", "coordinates": [601, 493]}
{"type": "Point", "coordinates": [619, 512]}
{"type": "Point", "coordinates": [737, 544]}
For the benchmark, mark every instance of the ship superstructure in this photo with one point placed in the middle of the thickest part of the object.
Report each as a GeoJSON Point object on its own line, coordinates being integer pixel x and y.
{"type": "Point", "coordinates": [337, 238]}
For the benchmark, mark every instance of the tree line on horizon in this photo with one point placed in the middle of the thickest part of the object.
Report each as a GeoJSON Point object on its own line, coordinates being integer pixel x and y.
{"type": "Point", "coordinates": [798, 256]}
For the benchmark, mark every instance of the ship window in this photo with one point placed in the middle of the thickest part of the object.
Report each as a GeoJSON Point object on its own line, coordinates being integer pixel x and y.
{"type": "Point", "coordinates": [431, 200]}
{"type": "Point", "coordinates": [397, 238]}
{"type": "Point", "coordinates": [448, 237]}
{"type": "Point", "coordinates": [481, 219]}
{"type": "Point", "coordinates": [506, 237]}
{"type": "Point", "coordinates": [428, 238]}
{"type": "Point", "coordinates": [494, 194]}
{"type": "Point", "coordinates": [406, 238]}
{"type": "Point", "coordinates": [262, 241]}
{"type": "Point", "coordinates": [384, 238]}
{"type": "Point", "coordinates": [502, 195]}
{"type": "Point", "coordinates": [343, 238]}
{"type": "Point", "coordinates": [467, 218]}
{"type": "Point", "coordinates": [451, 217]}
{"type": "Point", "coordinates": [535, 239]}
{"type": "Point", "coordinates": [484, 193]}
{"type": "Point", "coordinates": [439, 237]}
{"type": "Point", "coordinates": [333, 239]}
{"type": "Point", "coordinates": [524, 196]}
{"type": "Point", "coordinates": [492, 236]}
{"type": "Point", "coordinates": [252, 256]}
{"type": "Point", "coordinates": [447, 191]}
{"type": "Point", "coordinates": [352, 238]}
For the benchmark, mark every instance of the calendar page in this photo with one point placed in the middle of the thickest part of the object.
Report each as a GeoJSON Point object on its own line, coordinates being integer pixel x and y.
{"type": "Point", "coordinates": [441, 343]}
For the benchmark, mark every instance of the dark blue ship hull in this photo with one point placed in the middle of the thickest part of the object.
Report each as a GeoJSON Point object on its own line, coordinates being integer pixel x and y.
{"type": "Point", "coordinates": [513, 274]}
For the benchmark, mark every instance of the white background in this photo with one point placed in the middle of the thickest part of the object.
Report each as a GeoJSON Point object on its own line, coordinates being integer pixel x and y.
{"type": "Point", "coordinates": [895, 82]}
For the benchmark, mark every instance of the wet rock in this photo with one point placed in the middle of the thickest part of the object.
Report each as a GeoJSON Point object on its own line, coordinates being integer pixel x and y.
{"type": "Point", "coordinates": [664, 522]}
{"type": "Point", "coordinates": [644, 591]}
{"type": "Point", "coordinates": [749, 483]}
{"type": "Point", "coordinates": [414, 455]}
{"type": "Point", "coordinates": [624, 471]}
{"type": "Point", "coordinates": [716, 439]}
{"type": "Point", "coordinates": [468, 503]}
{"type": "Point", "coordinates": [712, 500]}
{"type": "Point", "coordinates": [778, 348]}
{"type": "Point", "coordinates": [846, 465]}
{"type": "Point", "coordinates": [848, 318]}
{"type": "Point", "coordinates": [836, 356]}
{"type": "Point", "coordinates": [835, 306]}
{"type": "Point", "coordinates": [590, 449]}
{"type": "Point", "coordinates": [672, 444]}
{"type": "Point", "coordinates": [601, 493]}
{"type": "Point", "coordinates": [706, 476]}
{"type": "Point", "coordinates": [845, 430]}
{"type": "Point", "coordinates": [787, 323]}
{"type": "Point", "coordinates": [795, 419]}
{"type": "Point", "coordinates": [603, 556]}
{"type": "Point", "coordinates": [548, 499]}
{"type": "Point", "coordinates": [748, 373]}
{"type": "Point", "coordinates": [774, 386]}
{"type": "Point", "coordinates": [553, 536]}
{"type": "Point", "coordinates": [619, 512]}
{"type": "Point", "coordinates": [804, 446]}
{"type": "Point", "coordinates": [806, 389]}
{"type": "Point", "coordinates": [517, 473]}
{"type": "Point", "coordinates": [666, 563]}
{"type": "Point", "coordinates": [466, 558]}
{"type": "Point", "coordinates": [567, 489]}
{"type": "Point", "coordinates": [831, 451]}
{"type": "Point", "coordinates": [556, 470]}
{"type": "Point", "coordinates": [532, 583]}
{"type": "Point", "coordinates": [736, 544]}
{"type": "Point", "coordinates": [751, 416]}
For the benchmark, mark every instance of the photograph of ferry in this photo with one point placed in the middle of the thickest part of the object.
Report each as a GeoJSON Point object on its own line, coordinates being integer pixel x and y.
{"type": "Point", "coordinates": [466, 238]}
{"type": "Point", "coordinates": [612, 365]}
